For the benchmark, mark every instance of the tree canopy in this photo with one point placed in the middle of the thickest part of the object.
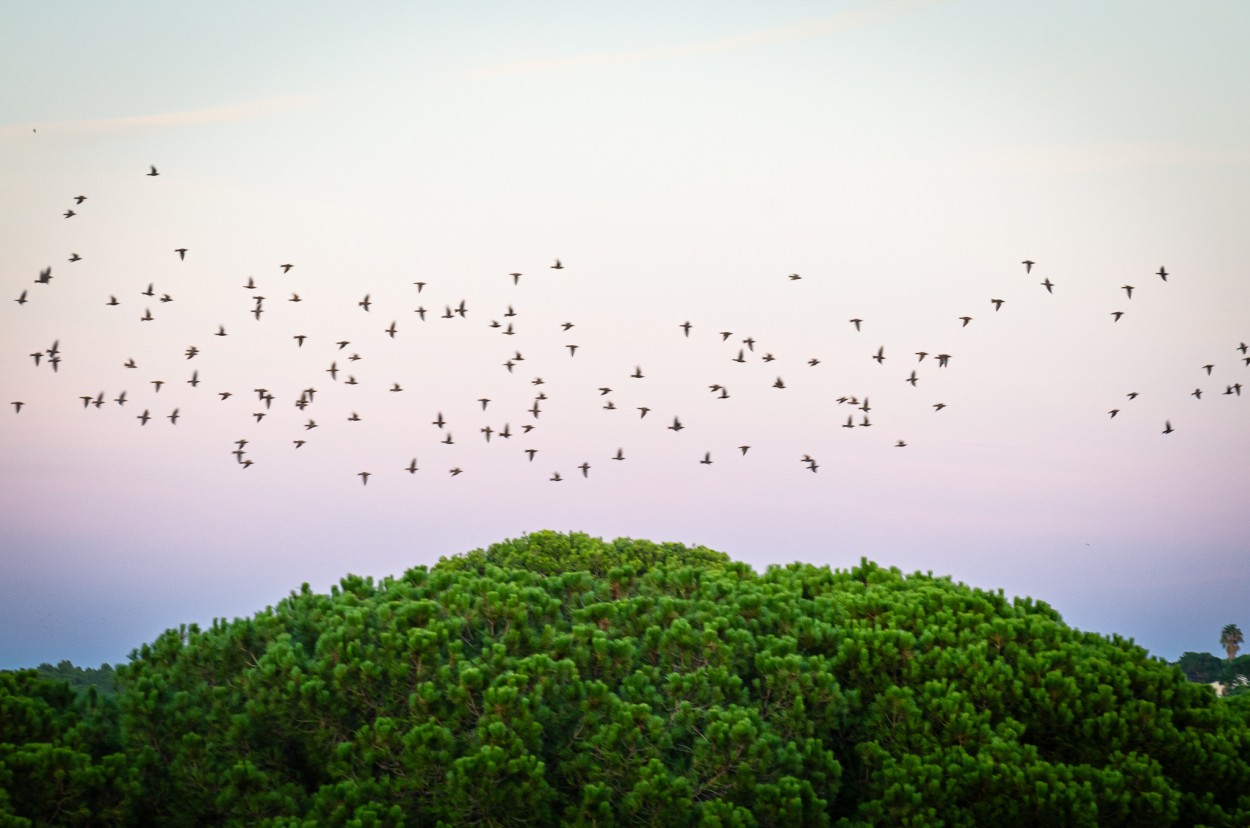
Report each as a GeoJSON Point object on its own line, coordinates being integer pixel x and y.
{"type": "Point", "coordinates": [561, 679]}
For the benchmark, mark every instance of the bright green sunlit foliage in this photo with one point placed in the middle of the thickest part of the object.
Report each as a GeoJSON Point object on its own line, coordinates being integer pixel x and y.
{"type": "Point", "coordinates": [561, 679]}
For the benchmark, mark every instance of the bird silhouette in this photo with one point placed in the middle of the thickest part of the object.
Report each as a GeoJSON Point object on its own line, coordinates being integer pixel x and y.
{"type": "Point", "coordinates": [153, 170]}
{"type": "Point", "coordinates": [856, 323]}
{"type": "Point", "coordinates": [1127, 289]}
{"type": "Point", "coordinates": [182, 253]}
{"type": "Point", "coordinates": [966, 320]}
{"type": "Point", "coordinates": [707, 458]}
{"type": "Point", "coordinates": [1162, 274]}
{"type": "Point", "coordinates": [364, 477]}
{"type": "Point", "coordinates": [1117, 315]}
{"type": "Point", "coordinates": [1028, 266]}
{"type": "Point", "coordinates": [143, 418]}
{"type": "Point", "coordinates": [1046, 283]}
{"type": "Point", "coordinates": [1167, 426]}
{"type": "Point", "coordinates": [997, 303]}
{"type": "Point", "coordinates": [676, 426]}
{"type": "Point", "coordinates": [17, 406]}
{"type": "Point", "coordinates": [21, 300]}
{"type": "Point", "coordinates": [391, 330]}
{"type": "Point", "coordinates": [411, 468]}
{"type": "Point", "coordinates": [880, 355]}
{"type": "Point", "coordinates": [286, 268]}
{"type": "Point", "coordinates": [365, 303]}
{"type": "Point", "coordinates": [79, 199]}
{"type": "Point", "coordinates": [685, 326]}
{"type": "Point", "coordinates": [557, 265]}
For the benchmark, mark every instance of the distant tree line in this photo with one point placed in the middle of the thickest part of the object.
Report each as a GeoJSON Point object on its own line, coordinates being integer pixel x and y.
{"type": "Point", "coordinates": [560, 679]}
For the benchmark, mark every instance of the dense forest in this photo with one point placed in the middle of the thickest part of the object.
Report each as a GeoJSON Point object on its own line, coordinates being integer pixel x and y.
{"type": "Point", "coordinates": [562, 679]}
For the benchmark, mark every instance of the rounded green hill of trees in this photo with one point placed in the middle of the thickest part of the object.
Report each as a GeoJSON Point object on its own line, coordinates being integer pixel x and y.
{"type": "Point", "coordinates": [560, 679]}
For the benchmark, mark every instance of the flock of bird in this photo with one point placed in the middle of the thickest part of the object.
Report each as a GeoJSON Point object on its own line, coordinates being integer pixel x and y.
{"type": "Point", "coordinates": [340, 360]}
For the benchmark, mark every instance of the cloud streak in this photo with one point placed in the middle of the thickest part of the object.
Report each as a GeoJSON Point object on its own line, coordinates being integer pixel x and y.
{"type": "Point", "coordinates": [871, 14]}
{"type": "Point", "coordinates": [227, 113]}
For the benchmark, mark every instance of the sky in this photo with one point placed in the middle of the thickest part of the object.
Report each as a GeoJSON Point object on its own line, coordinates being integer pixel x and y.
{"type": "Point", "coordinates": [681, 160]}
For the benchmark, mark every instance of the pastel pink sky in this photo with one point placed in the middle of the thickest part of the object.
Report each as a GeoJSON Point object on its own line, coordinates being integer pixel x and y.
{"type": "Point", "coordinates": [902, 157]}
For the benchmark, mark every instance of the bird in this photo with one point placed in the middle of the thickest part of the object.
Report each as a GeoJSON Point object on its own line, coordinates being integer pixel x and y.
{"type": "Point", "coordinates": [1028, 266]}
{"type": "Point", "coordinates": [419, 285]}
{"type": "Point", "coordinates": [939, 406]}
{"type": "Point", "coordinates": [251, 283]}
{"type": "Point", "coordinates": [173, 418]}
{"type": "Point", "coordinates": [455, 471]}
{"type": "Point", "coordinates": [707, 458]}
{"type": "Point", "coordinates": [286, 268]}
{"type": "Point", "coordinates": [813, 362]}
{"type": "Point", "coordinates": [182, 253]}
{"type": "Point", "coordinates": [365, 303]}
{"type": "Point", "coordinates": [79, 199]}
{"type": "Point", "coordinates": [1163, 274]}
{"type": "Point", "coordinates": [342, 343]}
{"type": "Point", "coordinates": [620, 454]}
{"type": "Point", "coordinates": [966, 320]}
{"type": "Point", "coordinates": [643, 409]}
{"type": "Point", "coordinates": [997, 303]}
{"type": "Point", "coordinates": [1197, 392]}
{"type": "Point", "coordinates": [421, 311]}
{"type": "Point", "coordinates": [572, 349]}
{"type": "Point", "coordinates": [1127, 289]}
{"type": "Point", "coordinates": [1132, 395]}
{"type": "Point", "coordinates": [1167, 426]}
{"type": "Point", "coordinates": [516, 278]}
{"type": "Point", "coordinates": [440, 422]}
{"type": "Point", "coordinates": [676, 426]}
{"type": "Point", "coordinates": [411, 468]}
{"type": "Point", "coordinates": [685, 326]}
{"type": "Point", "coordinates": [943, 359]}
{"type": "Point", "coordinates": [21, 300]}
{"type": "Point", "coordinates": [1113, 412]}
{"type": "Point", "coordinates": [1117, 315]}
{"type": "Point", "coordinates": [45, 277]}
{"type": "Point", "coordinates": [333, 371]}
{"type": "Point", "coordinates": [192, 351]}
{"type": "Point", "coordinates": [856, 323]}
{"type": "Point", "coordinates": [391, 330]}
{"type": "Point", "coordinates": [112, 300]}
{"type": "Point", "coordinates": [143, 418]}
{"type": "Point", "coordinates": [556, 478]}
{"type": "Point", "coordinates": [70, 213]}
{"type": "Point", "coordinates": [121, 398]}
{"type": "Point", "coordinates": [364, 477]}
{"type": "Point", "coordinates": [585, 467]}
{"type": "Point", "coordinates": [225, 395]}
{"type": "Point", "coordinates": [912, 379]}
{"type": "Point", "coordinates": [531, 453]}
{"type": "Point", "coordinates": [130, 363]}
{"type": "Point", "coordinates": [794, 277]}
{"type": "Point", "coordinates": [880, 355]}
{"type": "Point", "coordinates": [1046, 283]}
{"type": "Point", "coordinates": [900, 444]}
{"type": "Point", "coordinates": [158, 384]}
{"type": "Point", "coordinates": [1208, 368]}
{"type": "Point", "coordinates": [221, 330]}
{"type": "Point", "coordinates": [724, 335]}
{"type": "Point", "coordinates": [484, 401]}
{"type": "Point", "coordinates": [294, 298]}
{"type": "Point", "coordinates": [557, 265]}
{"type": "Point", "coordinates": [298, 443]}
{"type": "Point", "coordinates": [17, 406]}
{"type": "Point", "coordinates": [604, 391]}
{"type": "Point", "coordinates": [1243, 347]}
{"type": "Point", "coordinates": [300, 339]}
{"type": "Point", "coordinates": [637, 372]}
{"type": "Point", "coordinates": [195, 379]}
{"type": "Point", "coordinates": [743, 449]}
{"type": "Point", "coordinates": [152, 167]}
{"type": "Point", "coordinates": [74, 257]}
{"type": "Point", "coordinates": [310, 425]}
{"type": "Point", "coordinates": [850, 421]}
{"type": "Point", "coordinates": [564, 326]}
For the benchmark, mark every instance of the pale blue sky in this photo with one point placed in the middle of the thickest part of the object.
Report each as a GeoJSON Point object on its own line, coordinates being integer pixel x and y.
{"type": "Point", "coordinates": [681, 159]}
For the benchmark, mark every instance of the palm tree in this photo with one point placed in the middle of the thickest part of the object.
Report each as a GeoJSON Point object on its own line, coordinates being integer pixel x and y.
{"type": "Point", "coordinates": [1231, 639]}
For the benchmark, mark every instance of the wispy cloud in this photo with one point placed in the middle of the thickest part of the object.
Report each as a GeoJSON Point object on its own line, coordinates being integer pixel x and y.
{"type": "Point", "coordinates": [874, 12]}
{"type": "Point", "coordinates": [193, 117]}
{"type": "Point", "coordinates": [1097, 158]}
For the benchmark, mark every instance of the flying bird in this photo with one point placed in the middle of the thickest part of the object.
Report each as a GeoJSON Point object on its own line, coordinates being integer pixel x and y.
{"type": "Point", "coordinates": [997, 303]}
{"type": "Point", "coordinates": [880, 355]}
{"type": "Point", "coordinates": [1046, 283]}
{"type": "Point", "coordinates": [1208, 368]}
{"type": "Point", "coordinates": [391, 330]}
{"type": "Point", "coordinates": [1117, 315]}
{"type": "Point", "coordinates": [143, 418]}
{"type": "Point", "coordinates": [966, 320]}
{"type": "Point", "coordinates": [69, 213]}
{"type": "Point", "coordinates": [364, 303]}
{"type": "Point", "coordinates": [364, 477]}
{"type": "Point", "coordinates": [1163, 274]}
{"type": "Point", "coordinates": [74, 257]}
{"type": "Point", "coordinates": [17, 406]}
{"type": "Point", "coordinates": [182, 253]}
{"type": "Point", "coordinates": [1127, 289]}
{"type": "Point", "coordinates": [794, 277]}
{"type": "Point", "coordinates": [286, 268]}
{"type": "Point", "coordinates": [1028, 266]}
{"type": "Point", "coordinates": [557, 265]}
{"type": "Point", "coordinates": [1167, 426]}
{"type": "Point", "coordinates": [79, 199]}
{"type": "Point", "coordinates": [856, 323]}
{"type": "Point", "coordinates": [707, 458]}
{"type": "Point", "coordinates": [21, 300]}
{"type": "Point", "coordinates": [153, 168]}
{"type": "Point", "coordinates": [685, 326]}
{"type": "Point", "coordinates": [411, 468]}
{"type": "Point", "coordinates": [585, 467]}
{"type": "Point", "coordinates": [676, 426]}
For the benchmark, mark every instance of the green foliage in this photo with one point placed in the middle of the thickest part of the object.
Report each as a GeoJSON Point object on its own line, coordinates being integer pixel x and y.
{"type": "Point", "coordinates": [560, 679]}
{"type": "Point", "coordinates": [1201, 667]}
{"type": "Point", "coordinates": [103, 678]}
{"type": "Point", "coordinates": [1231, 640]}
